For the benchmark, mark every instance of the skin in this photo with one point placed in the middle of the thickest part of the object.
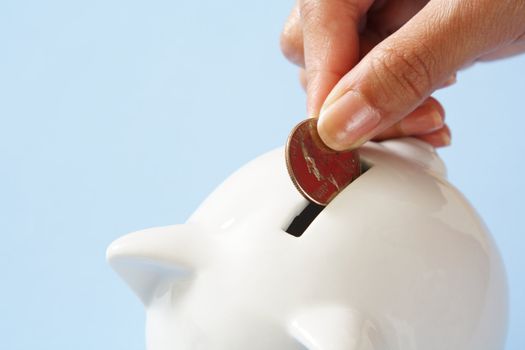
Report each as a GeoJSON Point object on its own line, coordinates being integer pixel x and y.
{"type": "Point", "coordinates": [369, 67]}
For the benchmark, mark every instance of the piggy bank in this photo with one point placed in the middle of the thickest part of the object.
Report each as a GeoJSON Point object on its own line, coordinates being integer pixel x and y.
{"type": "Point", "coordinates": [398, 260]}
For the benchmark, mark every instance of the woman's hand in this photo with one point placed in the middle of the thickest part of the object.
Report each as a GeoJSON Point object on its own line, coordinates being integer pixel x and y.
{"type": "Point", "coordinates": [369, 66]}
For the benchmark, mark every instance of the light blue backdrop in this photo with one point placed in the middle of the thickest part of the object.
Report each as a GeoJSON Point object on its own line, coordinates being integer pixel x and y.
{"type": "Point", "coordinates": [121, 115]}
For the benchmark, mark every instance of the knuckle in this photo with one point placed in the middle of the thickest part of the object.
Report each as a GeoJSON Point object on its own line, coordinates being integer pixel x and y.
{"type": "Point", "coordinates": [291, 46]}
{"type": "Point", "coordinates": [408, 73]}
{"type": "Point", "coordinates": [291, 41]}
{"type": "Point", "coordinates": [287, 45]}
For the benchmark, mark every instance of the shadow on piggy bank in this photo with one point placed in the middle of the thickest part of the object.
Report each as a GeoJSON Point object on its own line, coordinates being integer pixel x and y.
{"type": "Point", "coordinates": [398, 261]}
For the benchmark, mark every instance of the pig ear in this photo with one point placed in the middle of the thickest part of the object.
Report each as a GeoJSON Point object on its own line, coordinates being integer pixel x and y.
{"type": "Point", "coordinates": [149, 259]}
{"type": "Point", "coordinates": [334, 328]}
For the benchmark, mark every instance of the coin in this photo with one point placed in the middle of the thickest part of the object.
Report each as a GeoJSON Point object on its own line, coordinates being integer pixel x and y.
{"type": "Point", "coordinates": [317, 171]}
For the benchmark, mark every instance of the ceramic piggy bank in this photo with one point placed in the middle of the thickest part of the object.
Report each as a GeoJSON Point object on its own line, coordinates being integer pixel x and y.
{"type": "Point", "coordinates": [399, 260]}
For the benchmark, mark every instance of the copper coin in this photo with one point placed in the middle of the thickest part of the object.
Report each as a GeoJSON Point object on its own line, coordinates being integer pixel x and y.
{"type": "Point", "coordinates": [318, 171]}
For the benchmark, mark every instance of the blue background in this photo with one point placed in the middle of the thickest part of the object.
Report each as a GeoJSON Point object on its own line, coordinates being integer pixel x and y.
{"type": "Point", "coordinates": [121, 115]}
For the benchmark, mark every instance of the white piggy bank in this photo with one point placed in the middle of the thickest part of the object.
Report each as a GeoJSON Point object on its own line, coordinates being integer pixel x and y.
{"type": "Point", "coordinates": [398, 261]}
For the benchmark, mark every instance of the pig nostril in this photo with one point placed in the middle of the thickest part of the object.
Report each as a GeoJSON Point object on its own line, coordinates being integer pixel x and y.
{"type": "Point", "coordinates": [301, 222]}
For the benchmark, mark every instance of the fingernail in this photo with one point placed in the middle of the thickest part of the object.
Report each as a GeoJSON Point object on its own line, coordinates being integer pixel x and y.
{"type": "Point", "coordinates": [347, 122]}
{"type": "Point", "coordinates": [421, 123]}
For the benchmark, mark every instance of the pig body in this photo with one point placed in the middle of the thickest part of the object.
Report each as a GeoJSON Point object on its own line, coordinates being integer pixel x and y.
{"type": "Point", "coordinates": [398, 261]}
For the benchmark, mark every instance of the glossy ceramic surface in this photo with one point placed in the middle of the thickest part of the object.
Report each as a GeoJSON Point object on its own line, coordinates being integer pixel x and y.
{"type": "Point", "coordinates": [399, 261]}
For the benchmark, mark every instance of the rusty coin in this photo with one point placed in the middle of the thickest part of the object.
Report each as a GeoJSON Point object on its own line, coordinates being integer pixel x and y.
{"type": "Point", "coordinates": [316, 170]}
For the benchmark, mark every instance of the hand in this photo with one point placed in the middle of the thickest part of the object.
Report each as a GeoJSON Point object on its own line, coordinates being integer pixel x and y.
{"type": "Point", "coordinates": [370, 66]}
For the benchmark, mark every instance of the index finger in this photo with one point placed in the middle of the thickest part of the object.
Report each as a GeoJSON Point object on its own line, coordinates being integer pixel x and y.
{"type": "Point", "coordinates": [331, 44]}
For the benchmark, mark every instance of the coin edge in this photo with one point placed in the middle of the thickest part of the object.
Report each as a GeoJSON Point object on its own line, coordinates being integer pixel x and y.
{"type": "Point", "coordinates": [291, 174]}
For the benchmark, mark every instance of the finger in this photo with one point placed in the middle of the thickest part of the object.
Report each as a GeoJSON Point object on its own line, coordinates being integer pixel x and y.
{"type": "Point", "coordinates": [331, 44]}
{"type": "Point", "coordinates": [302, 78]}
{"type": "Point", "coordinates": [402, 71]}
{"type": "Point", "coordinates": [292, 44]}
{"type": "Point", "coordinates": [425, 119]}
{"type": "Point", "coordinates": [438, 138]}
{"type": "Point", "coordinates": [292, 38]}
{"type": "Point", "coordinates": [367, 41]}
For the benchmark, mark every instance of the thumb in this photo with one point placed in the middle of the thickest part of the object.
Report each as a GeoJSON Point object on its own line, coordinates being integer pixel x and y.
{"type": "Point", "coordinates": [402, 71]}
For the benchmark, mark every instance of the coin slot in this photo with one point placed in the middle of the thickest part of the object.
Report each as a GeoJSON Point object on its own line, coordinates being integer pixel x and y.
{"type": "Point", "coordinates": [301, 222]}
{"type": "Point", "coordinates": [364, 166]}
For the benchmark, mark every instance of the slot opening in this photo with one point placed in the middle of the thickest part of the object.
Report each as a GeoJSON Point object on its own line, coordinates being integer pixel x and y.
{"type": "Point", "coordinates": [364, 167]}
{"type": "Point", "coordinates": [302, 221]}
